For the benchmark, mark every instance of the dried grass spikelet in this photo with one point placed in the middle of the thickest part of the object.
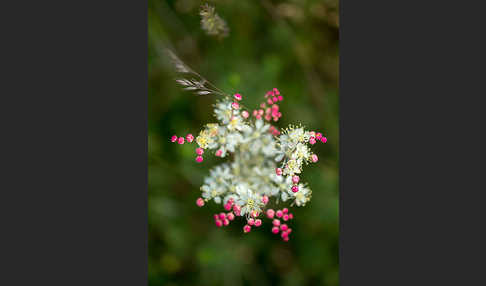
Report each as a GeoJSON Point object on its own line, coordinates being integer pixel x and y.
{"type": "Point", "coordinates": [211, 23]}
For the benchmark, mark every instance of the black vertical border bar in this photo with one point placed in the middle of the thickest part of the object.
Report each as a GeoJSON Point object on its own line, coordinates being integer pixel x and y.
{"type": "Point", "coordinates": [74, 99]}
{"type": "Point", "coordinates": [411, 157]}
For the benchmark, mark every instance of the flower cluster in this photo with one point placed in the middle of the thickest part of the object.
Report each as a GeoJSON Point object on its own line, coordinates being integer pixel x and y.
{"type": "Point", "coordinates": [266, 163]}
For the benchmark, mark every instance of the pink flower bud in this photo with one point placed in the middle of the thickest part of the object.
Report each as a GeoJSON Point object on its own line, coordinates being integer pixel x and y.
{"type": "Point", "coordinates": [312, 140]}
{"type": "Point", "coordinates": [285, 217]}
{"type": "Point", "coordinates": [219, 223]}
{"type": "Point", "coordinates": [199, 159]}
{"type": "Point", "coordinates": [254, 214]}
{"type": "Point", "coordinates": [238, 96]}
{"type": "Point", "coordinates": [280, 98]}
{"type": "Point", "coordinates": [235, 105]}
{"type": "Point", "coordinates": [268, 117]}
{"type": "Point", "coordinates": [255, 113]}
{"type": "Point", "coordinates": [276, 92]}
{"type": "Point", "coordinates": [258, 222]}
{"type": "Point", "coordinates": [189, 138]}
{"type": "Point", "coordinates": [251, 221]}
{"type": "Point", "coordinates": [245, 114]}
{"type": "Point", "coordinates": [225, 222]}
{"type": "Point", "coordinates": [285, 210]}
{"type": "Point", "coordinates": [284, 227]}
{"type": "Point", "coordinates": [269, 101]}
{"type": "Point", "coordinates": [284, 234]}
{"type": "Point", "coordinates": [216, 217]}
{"type": "Point", "coordinates": [200, 202]}
{"type": "Point", "coordinates": [289, 230]}
{"type": "Point", "coordinates": [295, 188]}
{"type": "Point", "coordinates": [279, 213]}
{"type": "Point", "coordinates": [291, 216]}
{"type": "Point", "coordinates": [314, 158]}
{"type": "Point", "coordinates": [318, 136]}
{"type": "Point", "coordinates": [324, 139]}
{"type": "Point", "coordinates": [199, 151]}
{"type": "Point", "coordinates": [173, 138]}
{"type": "Point", "coordinates": [227, 206]}
{"type": "Point", "coordinates": [295, 179]}
{"type": "Point", "coordinates": [219, 153]}
{"type": "Point", "coordinates": [278, 171]}
{"type": "Point", "coordinates": [246, 228]}
{"type": "Point", "coordinates": [237, 210]}
{"type": "Point", "coordinates": [258, 116]}
{"type": "Point", "coordinates": [180, 140]}
{"type": "Point", "coordinates": [275, 229]}
{"type": "Point", "coordinates": [230, 216]}
{"type": "Point", "coordinates": [276, 222]}
{"type": "Point", "coordinates": [222, 216]}
{"type": "Point", "coordinates": [265, 199]}
{"type": "Point", "coordinates": [270, 213]}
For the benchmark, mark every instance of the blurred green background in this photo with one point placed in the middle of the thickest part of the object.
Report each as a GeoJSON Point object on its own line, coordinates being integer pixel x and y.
{"type": "Point", "coordinates": [290, 45]}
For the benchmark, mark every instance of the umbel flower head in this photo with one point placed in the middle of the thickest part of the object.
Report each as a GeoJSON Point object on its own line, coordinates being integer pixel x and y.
{"type": "Point", "coordinates": [265, 163]}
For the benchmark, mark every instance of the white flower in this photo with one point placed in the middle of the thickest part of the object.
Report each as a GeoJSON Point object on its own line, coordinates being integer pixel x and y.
{"type": "Point", "coordinates": [260, 127]}
{"type": "Point", "coordinates": [276, 178]}
{"type": "Point", "coordinates": [248, 200]}
{"type": "Point", "coordinates": [221, 174]}
{"type": "Point", "coordinates": [232, 140]}
{"type": "Point", "coordinates": [301, 152]}
{"type": "Point", "coordinates": [226, 141]}
{"type": "Point", "coordinates": [260, 140]}
{"type": "Point", "coordinates": [269, 148]}
{"type": "Point", "coordinates": [236, 122]}
{"type": "Point", "coordinates": [211, 190]}
{"type": "Point", "coordinates": [293, 167]}
{"type": "Point", "coordinates": [302, 196]}
{"type": "Point", "coordinates": [297, 135]}
{"type": "Point", "coordinates": [285, 185]}
{"type": "Point", "coordinates": [223, 111]}
{"type": "Point", "coordinates": [284, 196]}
